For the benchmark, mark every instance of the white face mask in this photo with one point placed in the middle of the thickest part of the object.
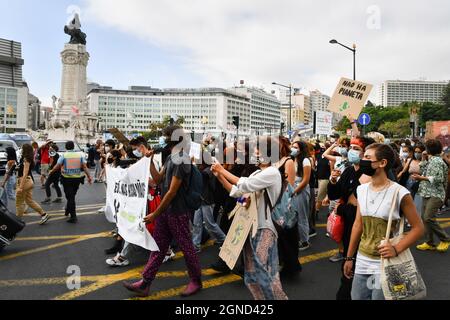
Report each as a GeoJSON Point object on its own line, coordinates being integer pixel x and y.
{"type": "Point", "coordinates": [107, 149]}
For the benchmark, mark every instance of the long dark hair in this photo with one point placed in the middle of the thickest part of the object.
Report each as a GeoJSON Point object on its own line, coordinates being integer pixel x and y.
{"type": "Point", "coordinates": [28, 153]}
{"type": "Point", "coordinates": [303, 154]}
{"type": "Point", "coordinates": [11, 154]}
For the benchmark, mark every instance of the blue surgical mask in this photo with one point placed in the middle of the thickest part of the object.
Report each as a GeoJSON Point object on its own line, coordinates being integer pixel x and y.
{"type": "Point", "coordinates": [138, 154]}
{"type": "Point", "coordinates": [343, 152]}
{"type": "Point", "coordinates": [294, 152]}
{"type": "Point", "coordinates": [354, 157]}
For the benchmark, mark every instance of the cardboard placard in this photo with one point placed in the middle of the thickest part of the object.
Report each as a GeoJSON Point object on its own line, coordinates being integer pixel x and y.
{"type": "Point", "coordinates": [243, 221]}
{"type": "Point", "coordinates": [350, 97]}
{"type": "Point", "coordinates": [119, 136]}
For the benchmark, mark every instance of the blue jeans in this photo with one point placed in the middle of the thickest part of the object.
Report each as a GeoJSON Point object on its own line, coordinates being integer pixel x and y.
{"type": "Point", "coordinates": [367, 287]}
{"type": "Point", "coordinates": [10, 188]}
{"type": "Point", "coordinates": [206, 214]}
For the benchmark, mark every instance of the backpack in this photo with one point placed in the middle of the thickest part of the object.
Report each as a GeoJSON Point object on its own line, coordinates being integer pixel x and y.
{"type": "Point", "coordinates": [194, 191]}
{"type": "Point", "coordinates": [283, 213]}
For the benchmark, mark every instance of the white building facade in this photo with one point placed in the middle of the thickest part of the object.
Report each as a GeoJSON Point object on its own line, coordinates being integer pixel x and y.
{"type": "Point", "coordinates": [393, 93]}
{"type": "Point", "coordinates": [208, 109]}
{"type": "Point", "coordinates": [265, 113]}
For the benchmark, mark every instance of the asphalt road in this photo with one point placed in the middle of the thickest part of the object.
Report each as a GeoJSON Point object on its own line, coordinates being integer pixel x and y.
{"type": "Point", "coordinates": [36, 265]}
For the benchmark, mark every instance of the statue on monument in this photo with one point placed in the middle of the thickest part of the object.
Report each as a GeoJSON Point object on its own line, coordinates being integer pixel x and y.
{"type": "Point", "coordinates": [73, 29]}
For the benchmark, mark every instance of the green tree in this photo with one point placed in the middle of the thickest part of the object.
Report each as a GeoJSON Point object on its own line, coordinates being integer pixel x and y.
{"type": "Point", "coordinates": [157, 127]}
{"type": "Point", "coordinates": [399, 128]}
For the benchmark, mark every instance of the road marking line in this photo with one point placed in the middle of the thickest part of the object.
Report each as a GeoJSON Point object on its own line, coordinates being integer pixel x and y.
{"type": "Point", "coordinates": [47, 238]}
{"type": "Point", "coordinates": [80, 208]}
{"type": "Point", "coordinates": [170, 293]}
{"type": "Point", "coordinates": [442, 219]}
{"type": "Point", "coordinates": [62, 218]}
{"type": "Point", "coordinates": [107, 280]}
{"type": "Point", "coordinates": [54, 246]}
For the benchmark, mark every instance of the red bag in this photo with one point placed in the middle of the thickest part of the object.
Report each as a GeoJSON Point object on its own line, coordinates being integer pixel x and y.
{"type": "Point", "coordinates": [154, 199]}
{"type": "Point", "coordinates": [335, 226]}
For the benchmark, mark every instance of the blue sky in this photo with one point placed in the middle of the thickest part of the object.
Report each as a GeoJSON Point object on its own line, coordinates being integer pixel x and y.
{"type": "Point", "coordinates": [117, 59]}
{"type": "Point", "coordinates": [216, 43]}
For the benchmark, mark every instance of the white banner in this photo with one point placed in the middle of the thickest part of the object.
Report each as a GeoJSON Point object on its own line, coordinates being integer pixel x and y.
{"type": "Point", "coordinates": [324, 121]}
{"type": "Point", "coordinates": [126, 198]}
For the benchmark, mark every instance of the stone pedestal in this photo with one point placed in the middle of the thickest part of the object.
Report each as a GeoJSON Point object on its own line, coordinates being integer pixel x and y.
{"type": "Point", "coordinates": [75, 59]}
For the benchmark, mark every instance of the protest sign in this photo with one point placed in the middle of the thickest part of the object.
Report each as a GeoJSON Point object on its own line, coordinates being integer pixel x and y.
{"type": "Point", "coordinates": [127, 193]}
{"type": "Point", "coordinates": [243, 220]}
{"type": "Point", "coordinates": [120, 136]}
{"type": "Point", "coordinates": [350, 97]}
{"type": "Point", "coordinates": [439, 130]}
{"type": "Point", "coordinates": [196, 151]}
{"type": "Point", "coordinates": [324, 123]}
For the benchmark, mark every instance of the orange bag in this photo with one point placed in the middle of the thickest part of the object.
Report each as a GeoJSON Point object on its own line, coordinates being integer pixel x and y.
{"type": "Point", "coordinates": [335, 226]}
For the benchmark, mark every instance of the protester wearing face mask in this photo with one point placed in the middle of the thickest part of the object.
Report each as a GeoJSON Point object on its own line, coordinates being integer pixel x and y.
{"type": "Point", "coordinates": [261, 252]}
{"type": "Point", "coordinates": [406, 157]}
{"type": "Point", "coordinates": [337, 154]}
{"type": "Point", "coordinates": [53, 178]}
{"type": "Point", "coordinates": [238, 164]}
{"type": "Point", "coordinates": [110, 145]}
{"type": "Point", "coordinates": [302, 191]}
{"type": "Point", "coordinates": [374, 203]}
{"type": "Point", "coordinates": [288, 239]}
{"type": "Point", "coordinates": [411, 167]}
{"type": "Point", "coordinates": [342, 188]}
{"type": "Point", "coordinates": [172, 217]}
{"type": "Point", "coordinates": [432, 189]}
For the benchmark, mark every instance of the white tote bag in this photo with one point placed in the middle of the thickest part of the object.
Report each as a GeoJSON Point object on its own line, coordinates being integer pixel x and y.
{"type": "Point", "coordinates": [400, 278]}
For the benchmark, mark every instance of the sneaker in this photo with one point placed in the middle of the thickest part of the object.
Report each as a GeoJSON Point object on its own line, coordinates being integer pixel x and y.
{"type": "Point", "coordinates": [426, 247]}
{"type": "Point", "coordinates": [44, 219]}
{"type": "Point", "coordinates": [169, 256]}
{"type": "Point", "coordinates": [117, 261]}
{"type": "Point", "coordinates": [313, 233]}
{"type": "Point", "coordinates": [192, 288]}
{"type": "Point", "coordinates": [46, 201]}
{"type": "Point", "coordinates": [338, 257]}
{"type": "Point", "coordinates": [443, 246]}
{"type": "Point", "coordinates": [58, 200]}
{"type": "Point", "coordinates": [198, 250]}
{"type": "Point", "coordinates": [140, 288]}
{"type": "Point", "coordinates": [304, 246]}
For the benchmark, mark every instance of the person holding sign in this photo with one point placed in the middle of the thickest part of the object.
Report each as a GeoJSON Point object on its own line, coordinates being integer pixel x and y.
{"type": "Point", "coordinates": [172, 216]}
{"type": "Point", "coordinates": [261, 277]}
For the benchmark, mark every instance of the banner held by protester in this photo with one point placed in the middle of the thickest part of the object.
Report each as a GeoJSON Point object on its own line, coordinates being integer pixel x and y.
{"type": "Point", "coordinates": [127, 197]}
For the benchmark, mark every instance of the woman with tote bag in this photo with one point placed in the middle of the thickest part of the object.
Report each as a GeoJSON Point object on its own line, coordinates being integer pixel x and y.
{"type": "Point", "coordinates": [376, 202]}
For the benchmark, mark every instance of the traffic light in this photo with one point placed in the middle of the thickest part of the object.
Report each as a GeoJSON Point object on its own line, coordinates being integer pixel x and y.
{"type": "Point", "coordinates": [236, 121]}
{"type": "Point", "coordinates": [283, 126]}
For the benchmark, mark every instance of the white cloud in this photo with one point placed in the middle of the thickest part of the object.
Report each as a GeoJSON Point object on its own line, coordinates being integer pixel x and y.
{"type": "Point", "coordinates": [262, 41]}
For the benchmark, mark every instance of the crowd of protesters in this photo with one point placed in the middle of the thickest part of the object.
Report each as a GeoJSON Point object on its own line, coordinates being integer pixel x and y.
{"type": "Point", "coordinates": [353, 177]}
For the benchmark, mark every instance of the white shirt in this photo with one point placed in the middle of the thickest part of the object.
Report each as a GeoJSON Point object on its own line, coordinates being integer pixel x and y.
{"type": "Point", "coordinates": [366, 265]}
{"type": "Point", "coordinates": [268, 179]}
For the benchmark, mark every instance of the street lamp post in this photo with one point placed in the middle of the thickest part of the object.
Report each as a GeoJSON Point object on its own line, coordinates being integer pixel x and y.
{"type": "Point", "coordinates": [290, 103]}
{"type": "Point", "coordinates": [354, 54]}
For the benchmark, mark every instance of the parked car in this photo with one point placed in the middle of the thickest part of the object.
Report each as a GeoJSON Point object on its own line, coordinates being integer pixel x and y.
{"type": "Point", "coordinates": [3, 145]}
{"type": "Point", "coordinates": [19, 138]}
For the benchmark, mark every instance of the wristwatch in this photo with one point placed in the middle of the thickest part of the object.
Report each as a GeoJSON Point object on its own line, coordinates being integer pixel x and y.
{"type": "Point", "coordinates": [349, 259]}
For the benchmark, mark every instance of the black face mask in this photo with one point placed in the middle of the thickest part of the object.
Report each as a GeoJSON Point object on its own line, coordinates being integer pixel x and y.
{"type": "Point", "coordinates": [365, 166]}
